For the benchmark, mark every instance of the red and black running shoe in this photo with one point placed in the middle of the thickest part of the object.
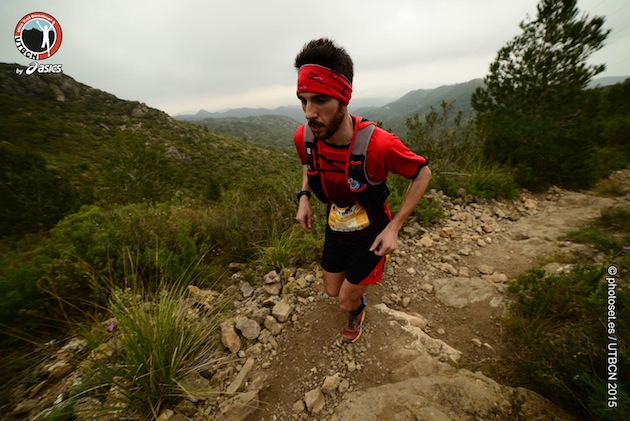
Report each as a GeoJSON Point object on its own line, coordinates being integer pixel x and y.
{"type": "Point", "coordinates": [352, 332]}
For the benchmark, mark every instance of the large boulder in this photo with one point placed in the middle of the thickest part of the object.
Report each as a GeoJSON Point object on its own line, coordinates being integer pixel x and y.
{"type": "Point", "coordinates": [434, 391]}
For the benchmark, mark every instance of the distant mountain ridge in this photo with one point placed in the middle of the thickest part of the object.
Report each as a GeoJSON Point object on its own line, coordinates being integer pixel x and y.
{"type": "Point", "coordinates": [392, 113]}
{"type": "Point", "coordinates": [291, 111]}
{"type": "Point", "coordinates": [239, 122]}
{"type": "Point", "coordinates": [395, 114]}
{"type": "Point", "coordinates": [269, 130]}
{"type": "Point", "coordinates": [607, 81]}
{"type": "Point", "coordinates": [372, 108]}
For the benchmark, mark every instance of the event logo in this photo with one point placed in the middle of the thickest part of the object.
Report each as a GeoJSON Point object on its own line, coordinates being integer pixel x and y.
{"type": "Point", "coordinates": [38, 36]}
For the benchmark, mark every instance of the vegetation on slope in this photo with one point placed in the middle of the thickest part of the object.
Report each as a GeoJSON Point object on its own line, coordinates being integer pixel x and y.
{"type": "Point", "coordinates": [99, 194]}
{"type": "Point", "coordinates": [534, 110]}
{"type": "Point", "coordinates": [558, 330]}
{"type": "Point", "coordinates": [85, 176]}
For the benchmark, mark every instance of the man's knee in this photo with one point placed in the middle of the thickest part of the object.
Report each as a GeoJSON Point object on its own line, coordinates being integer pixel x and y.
{"type": "Point", "coordinates": [350, 296]}
{"type": "Point", "coordinates": [331, 290]}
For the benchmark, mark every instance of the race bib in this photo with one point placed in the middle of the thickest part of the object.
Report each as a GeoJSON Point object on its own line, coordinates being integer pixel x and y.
{"type": "Point", "coordinates": [351, 218]}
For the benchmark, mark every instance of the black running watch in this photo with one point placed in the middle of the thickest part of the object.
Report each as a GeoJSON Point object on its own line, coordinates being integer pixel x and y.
{"type": "Point", "coordinates": [303, 193]}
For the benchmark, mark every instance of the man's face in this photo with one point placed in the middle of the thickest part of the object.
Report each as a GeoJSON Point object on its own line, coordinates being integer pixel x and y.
{"type": "Point", "coordinates": [323, 113]}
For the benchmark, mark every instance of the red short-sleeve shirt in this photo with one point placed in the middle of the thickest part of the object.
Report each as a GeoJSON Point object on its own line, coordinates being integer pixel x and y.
{"type": "Point", "coordinates": [386, 153]}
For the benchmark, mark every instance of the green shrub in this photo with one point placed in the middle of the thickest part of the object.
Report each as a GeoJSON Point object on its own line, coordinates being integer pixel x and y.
{"type": "Point", "coordinates": [34, 198]}
{"type": "Point", "coordinates": [84, 247]}
{"type": "Point", "coordinates": [616, 220]}
{"type": "Point", "coordinates": [20, 297]}
{"type": "Point", "coordinates": [455, 149]}
{"type": "Point", "coordinates": [445, 137]}
{"type": "Point", "coordinates": [448, 182]}
{"type": "Point", "coordinates": [610, 159]}
{"type": "Point", "coordinates": [427, 211]}
{"type": "Point", "coordinates": [616, 133]}
{"type": "Point", "coordinates": [430, 211]}
{"type": "Point", "coordinates": [171, 238]}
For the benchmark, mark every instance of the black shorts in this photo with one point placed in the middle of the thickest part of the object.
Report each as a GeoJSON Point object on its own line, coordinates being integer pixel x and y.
{"type": "Point", "coordinates": [360, 265]}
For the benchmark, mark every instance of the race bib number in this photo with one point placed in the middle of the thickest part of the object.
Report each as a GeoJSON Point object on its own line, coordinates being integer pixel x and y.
{"type": "Point", "coordinates": [351, 218]}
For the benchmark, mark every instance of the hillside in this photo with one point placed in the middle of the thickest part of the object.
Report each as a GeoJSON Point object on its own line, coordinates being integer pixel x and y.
{"type": "Point", "coordinates": [61, 134]}
{"type": "Point", "coordinates": [105, 203]}
{"type": "Point", "coordinates": [433, 347]}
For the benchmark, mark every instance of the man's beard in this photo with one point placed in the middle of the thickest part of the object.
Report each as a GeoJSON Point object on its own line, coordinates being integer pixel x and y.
{"type": "Point", "coordinates": [335, 123]}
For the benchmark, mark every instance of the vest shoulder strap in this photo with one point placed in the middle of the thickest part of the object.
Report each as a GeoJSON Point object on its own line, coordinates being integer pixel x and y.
{"type": "Point", "coordinates": [359, 150]}
{"type": "Point", "coordinates": [362, 140]}
{"type": "Point", "coordinates": [309, 147]}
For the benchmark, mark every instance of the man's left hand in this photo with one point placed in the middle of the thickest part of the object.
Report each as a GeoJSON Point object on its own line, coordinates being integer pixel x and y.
{"type": "Point", "coordinates": [386, 242]}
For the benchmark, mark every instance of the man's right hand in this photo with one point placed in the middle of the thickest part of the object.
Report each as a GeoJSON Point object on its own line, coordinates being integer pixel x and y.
{"type": "Point", "coordinates": [305, 214]}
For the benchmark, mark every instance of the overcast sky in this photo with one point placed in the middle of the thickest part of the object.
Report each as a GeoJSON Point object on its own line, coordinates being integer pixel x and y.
{"type": "Point", "coordinates": [185, 55]}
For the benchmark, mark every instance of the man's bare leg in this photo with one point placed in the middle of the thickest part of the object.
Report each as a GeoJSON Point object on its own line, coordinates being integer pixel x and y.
{"type": "Point", "coordinates": [350, 296]}
{"type": "Point", "coordinates": [332, 282]}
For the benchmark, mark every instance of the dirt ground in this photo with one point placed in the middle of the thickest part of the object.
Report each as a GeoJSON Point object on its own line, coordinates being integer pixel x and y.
{"type": "Point", "coordinates": [309, 349]}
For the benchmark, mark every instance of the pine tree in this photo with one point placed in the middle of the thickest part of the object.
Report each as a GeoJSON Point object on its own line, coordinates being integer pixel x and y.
{"type": "Point", "coordinates": [534, 109]}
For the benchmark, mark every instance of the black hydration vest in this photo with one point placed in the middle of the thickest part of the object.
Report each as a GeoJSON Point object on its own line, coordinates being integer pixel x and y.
{"type": "Point", "coordinates": [369, 194]}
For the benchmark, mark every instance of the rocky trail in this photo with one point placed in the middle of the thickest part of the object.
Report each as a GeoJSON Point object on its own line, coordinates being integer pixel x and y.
{"type": "Point", "coordinates": [437, 309]}
{"type": "Point", "coordinates": [431, 329]}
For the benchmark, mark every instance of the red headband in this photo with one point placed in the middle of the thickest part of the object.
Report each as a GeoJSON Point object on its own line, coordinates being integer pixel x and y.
{"type": "Point", "coordinates": [322, 80]}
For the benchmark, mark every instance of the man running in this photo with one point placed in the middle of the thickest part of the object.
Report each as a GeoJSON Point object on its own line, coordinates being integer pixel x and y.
{"type": "Point", "coordinates": [346, 160]}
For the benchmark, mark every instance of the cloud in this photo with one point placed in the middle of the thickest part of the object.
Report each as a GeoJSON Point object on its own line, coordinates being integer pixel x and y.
{"type": "Point", "coordinates": [192, 54]}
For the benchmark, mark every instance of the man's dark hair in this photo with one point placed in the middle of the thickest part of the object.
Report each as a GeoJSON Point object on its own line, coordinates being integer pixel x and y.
{"type": "Point", "coordinates": [326, 53]}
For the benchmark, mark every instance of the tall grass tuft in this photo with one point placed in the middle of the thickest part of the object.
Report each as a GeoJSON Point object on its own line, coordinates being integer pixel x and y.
{"type": "Point", "coordinates": [159, 341]}
{"type": "Point", "coordinates": [291, 247]}
{"type": "Point", "coordinates": [609, 188]}
{"type": "Point", "coordinates": [491, 181]}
